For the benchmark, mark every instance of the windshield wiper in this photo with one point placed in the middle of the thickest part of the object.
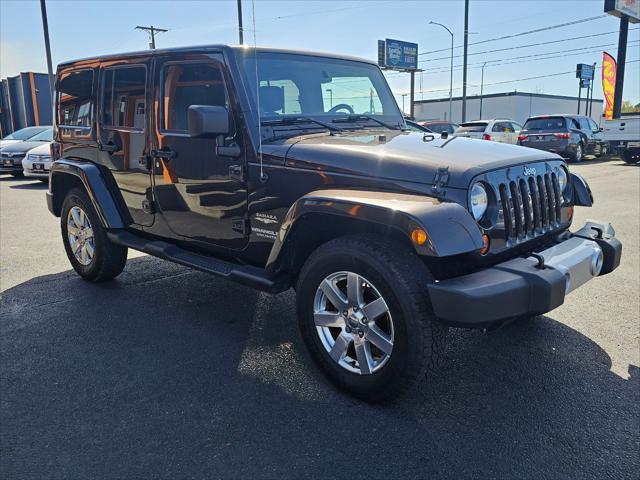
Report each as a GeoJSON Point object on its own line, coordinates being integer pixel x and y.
{"type": "Point", "coordinates": [300, 119]}
{"type": "Point", "coordinates": [357, 118]}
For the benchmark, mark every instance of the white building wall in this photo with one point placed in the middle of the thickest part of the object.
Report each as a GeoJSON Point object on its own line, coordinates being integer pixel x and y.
{"type": "Point", "coordinates": [518, 107]}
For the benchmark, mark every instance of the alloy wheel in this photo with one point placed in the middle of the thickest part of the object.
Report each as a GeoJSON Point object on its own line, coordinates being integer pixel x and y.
{"type": "Point", "coordinates": [80, 235]}
{"type": "Point", "coordinates": [353, 322]}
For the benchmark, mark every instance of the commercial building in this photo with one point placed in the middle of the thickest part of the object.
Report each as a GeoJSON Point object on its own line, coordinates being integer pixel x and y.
{"type": "Point", "coordinates": [516, 106]}
{"type": "Point", "coordinates": [25, 101]}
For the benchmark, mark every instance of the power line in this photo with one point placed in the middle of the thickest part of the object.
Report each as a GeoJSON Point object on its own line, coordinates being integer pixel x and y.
{"type": "Point", "coordinates": [528, 32]}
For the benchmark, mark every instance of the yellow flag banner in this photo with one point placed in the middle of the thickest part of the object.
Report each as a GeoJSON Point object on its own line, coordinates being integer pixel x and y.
{"type": "Point", "coordinates": [608, 83]}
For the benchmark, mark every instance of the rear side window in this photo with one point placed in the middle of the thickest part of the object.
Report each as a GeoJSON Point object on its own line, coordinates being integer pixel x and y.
{"type": "Point", "coordinates": [584, 124]}
{"type": "Point", "coordinates": [547, 123]}
{"type": "Point", "coordinates": [75, 97]}
{"type": "Point", "coordinates": [504, 127]}
{"type": "Point", "coordinates": [187, 84]}
{"type": "Point", "coordinates": [471, 127]}
{"type": "Point", "coordinates": [123, 97]}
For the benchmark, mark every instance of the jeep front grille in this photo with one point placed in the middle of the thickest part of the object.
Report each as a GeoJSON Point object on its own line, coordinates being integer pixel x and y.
{"type": "Point", "coordinates": [530, 206]}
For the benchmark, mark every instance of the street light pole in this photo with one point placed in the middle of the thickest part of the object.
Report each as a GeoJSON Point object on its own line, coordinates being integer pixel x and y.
{"type": "Point", "coordinates": [451, 73]}
{"type": "Point", "coordinates": [47, 46]}
{"type": "Point", "coordinates": [240, 29]}
{"type": "Point", "coordinates": [464, 67]}
{"type": "Point", "coordinates": [482, 89]}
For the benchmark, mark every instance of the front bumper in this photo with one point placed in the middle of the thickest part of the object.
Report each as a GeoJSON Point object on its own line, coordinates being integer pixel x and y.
{"type": "Point", "coordinates": [528, 286]}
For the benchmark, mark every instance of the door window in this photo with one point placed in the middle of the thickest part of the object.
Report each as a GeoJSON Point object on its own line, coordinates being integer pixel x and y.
{"type": "Point", "coordinates": [516, 126]}
{"type": "Point", "coordinates": [594, 126]}
{"type": "Point", "coordinates": [123, 97]}
{"type": "Point", "coordinates": [575, 124]}
{"type": "Point", "coordinates": [186, 84]}
{"type": "Point", "coordinates": [75, 96]}
{"type": "Point", "coordinates": [584, 124]}
{"type": "Point", "coordinates": [502, 127]}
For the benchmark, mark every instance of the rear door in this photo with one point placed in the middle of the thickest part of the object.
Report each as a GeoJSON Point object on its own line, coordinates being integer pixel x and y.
{"type": "Point", "coordinates": [471, 129]}
{"type": "Point", "coordinates": [500, 132]}
{"type": "Point", "coordinates": [201, 194]}
{"type": "Point", "coordinates": [123, 134]}
{"type": "Point", "coordinates": [588, 135]}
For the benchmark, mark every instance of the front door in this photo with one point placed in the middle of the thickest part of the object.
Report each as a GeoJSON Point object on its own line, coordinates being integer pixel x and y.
{"type": "Point", "coordinates": [201, 194]}
{"type": "Point", "coordinates": [122, 136]}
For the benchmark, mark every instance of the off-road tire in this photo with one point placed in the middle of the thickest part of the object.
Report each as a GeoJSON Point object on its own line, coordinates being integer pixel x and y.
{"type": "Point", "coordinates": [401, 277]}
{"type": "Point", "coordinates": [109, 259]}
{"type": "Point", "coordinates": [631, 156]}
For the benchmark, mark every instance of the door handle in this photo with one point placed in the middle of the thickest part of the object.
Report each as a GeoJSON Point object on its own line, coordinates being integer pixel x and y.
{"type": "Point", "coordinates": [109, 147]}
{"type": "Point", "coordinates": [164, 154]}
{"type": "Point", "coordinates": [236, 172]}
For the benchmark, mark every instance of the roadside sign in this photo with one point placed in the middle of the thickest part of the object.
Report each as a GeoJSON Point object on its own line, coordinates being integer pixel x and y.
{"type": "Point", "coordinates": [621, 8]}
{"type": "Point", "coordinates": [398, 55]}
{"type": "Point", "coordinates": [584, 71]}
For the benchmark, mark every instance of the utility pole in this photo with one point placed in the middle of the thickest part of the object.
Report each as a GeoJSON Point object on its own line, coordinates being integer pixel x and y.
{"type": "Point", "coordinates": [464, 68]}
{"type": "Point", "coordinates": [47, 46]}
{"type": "Point", "coordinates": [592, 82]}
{"type": "Point", "coordinates": [451, 72]}
{"type": "Point", "coordinates": [151, 30]}
{"type": "Point", "coordinates": [240, 29]}
{"type": "Point", "coordinates": [622, 58]}
{"type": "Point", "coordinates": [403, 95]}
{"type": "Point", "coordinates": [482, 89]}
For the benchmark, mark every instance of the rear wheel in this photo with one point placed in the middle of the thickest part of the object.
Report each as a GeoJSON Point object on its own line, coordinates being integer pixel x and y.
{"type": "Point", "coordinates": [577, 156]}
{"type": "Point", "coordinates": [93, 256]}
{"type": "Point", "coordinates": [631, 156]}
{"type": "Point", "coordinates": [365, 316]}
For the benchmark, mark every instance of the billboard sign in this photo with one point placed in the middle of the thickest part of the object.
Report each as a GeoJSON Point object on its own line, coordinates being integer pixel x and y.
{"type": "Point", "coordinates": [620, 8]}
{"type": "Point", "coordinates": [608, 83]}
{"type": "Point", "coordinates": [584, 71]}
{"type": "Point", "coordinates": [398, 55]}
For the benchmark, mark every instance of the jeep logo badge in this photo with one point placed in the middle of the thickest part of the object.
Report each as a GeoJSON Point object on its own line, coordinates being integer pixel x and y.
{"type": "Point", "coordinates": [529, 171]}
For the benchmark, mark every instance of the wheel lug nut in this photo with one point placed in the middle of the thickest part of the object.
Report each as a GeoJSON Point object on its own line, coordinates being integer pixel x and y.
{"type": "Point", "coordinates": [364, 321]}
{"type": "Point", "coordinates": [355, 309]}
{"type": "Point", "coordinates": [348, 329]}
{"type": "Point", "coordinates": [360, 333]}
{"type": "Point", "coordinates": [345, 313]}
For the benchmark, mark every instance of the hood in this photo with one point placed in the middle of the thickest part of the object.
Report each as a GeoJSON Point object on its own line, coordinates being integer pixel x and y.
{"type": "Point", "coordinates": [4, 143]}
{"type": "Point", "coordinates": [43, 149]}
{"type": "Point", "coordinates": [408, 156]}
{"type": "Point", "coordinates": [22, 147]}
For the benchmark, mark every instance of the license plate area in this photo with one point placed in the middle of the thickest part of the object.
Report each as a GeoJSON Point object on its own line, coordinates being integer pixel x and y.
{"type": "Point", "coordinates": [38, 166]}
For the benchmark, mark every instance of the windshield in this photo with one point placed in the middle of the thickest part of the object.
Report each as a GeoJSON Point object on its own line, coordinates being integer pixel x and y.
{"type": "Point", "coordinates": [25, 133]}
{"type": "Point", "coordinates": [327, 89]}
{"type": "Point", "coordinates": [471, 127]}
{"type": "Point", "coordinates": [46, 136]}
{"type": "Point", "coordinates": [548, 123]}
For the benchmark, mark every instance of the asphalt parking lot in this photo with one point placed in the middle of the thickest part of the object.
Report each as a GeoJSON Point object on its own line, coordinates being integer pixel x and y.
{"type": "Point", "coordinates": [170, 373]}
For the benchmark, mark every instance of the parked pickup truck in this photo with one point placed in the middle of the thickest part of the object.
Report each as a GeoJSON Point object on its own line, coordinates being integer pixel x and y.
{"type": "Point", "coordinates": [623, 136]}
{"type": "Point", "coordinates": [281, 169]}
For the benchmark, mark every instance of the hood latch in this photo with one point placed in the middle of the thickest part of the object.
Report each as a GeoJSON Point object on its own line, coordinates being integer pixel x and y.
{"type": "Point", "coordinates": [440, 180]}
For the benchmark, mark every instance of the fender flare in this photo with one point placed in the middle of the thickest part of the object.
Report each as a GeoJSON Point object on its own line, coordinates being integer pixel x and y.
{"type": "Point", "coordinates": [582, 195]}
{"type": "Point", "coordinates": [95, 185]}
{"type": "Point", "coordinates": [450, 228]}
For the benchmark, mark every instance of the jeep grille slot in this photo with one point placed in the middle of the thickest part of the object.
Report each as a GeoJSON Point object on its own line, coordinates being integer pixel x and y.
{"type": "Point", "coordinates": [530, 206]}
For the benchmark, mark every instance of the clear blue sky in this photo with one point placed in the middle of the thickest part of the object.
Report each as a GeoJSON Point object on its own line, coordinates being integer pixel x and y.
{"type": "Point", "coordinates": [92, 27]}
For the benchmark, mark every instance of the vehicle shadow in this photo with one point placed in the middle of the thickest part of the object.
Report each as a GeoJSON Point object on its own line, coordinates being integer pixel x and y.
{"type": "Point", "coordinates": [35, 185]}
{"type": "Point", "coordinates": [166, 372]}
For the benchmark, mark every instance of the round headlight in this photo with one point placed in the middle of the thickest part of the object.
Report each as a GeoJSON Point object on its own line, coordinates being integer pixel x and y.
{"type": "Point", "coordinates": [479, 201]}
{"type": "Point", "coordinates": [562, 178]}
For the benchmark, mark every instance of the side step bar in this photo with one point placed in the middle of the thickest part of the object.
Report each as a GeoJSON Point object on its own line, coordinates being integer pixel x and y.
{"type": "Point", "coordinates": [245, 274]}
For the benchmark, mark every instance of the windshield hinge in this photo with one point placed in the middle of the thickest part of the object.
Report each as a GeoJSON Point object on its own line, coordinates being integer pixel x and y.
{"type": "Point", "coordinates": [440, 180]}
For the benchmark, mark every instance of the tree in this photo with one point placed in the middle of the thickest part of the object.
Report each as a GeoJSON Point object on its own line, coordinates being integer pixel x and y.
{"type": "Point", "coordinates": [628, 107]}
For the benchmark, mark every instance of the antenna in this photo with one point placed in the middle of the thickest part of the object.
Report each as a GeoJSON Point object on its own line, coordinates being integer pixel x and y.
{"type": "Point", "coordinates": [263, 177]}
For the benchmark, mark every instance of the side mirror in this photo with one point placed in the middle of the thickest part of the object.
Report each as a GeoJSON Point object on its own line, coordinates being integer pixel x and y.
{"type": "Point", "coordinates": [207, 121]}
{"type": "Point", "coordinates": [601, 129]}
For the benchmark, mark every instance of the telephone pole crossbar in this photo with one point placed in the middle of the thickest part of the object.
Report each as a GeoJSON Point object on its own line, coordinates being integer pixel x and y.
{"type": "Point", "coordinates": [151, 30]}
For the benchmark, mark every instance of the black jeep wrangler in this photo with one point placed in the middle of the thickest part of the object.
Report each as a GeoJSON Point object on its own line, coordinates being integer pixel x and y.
{"type": "Point", "coordinates": [281, 169]}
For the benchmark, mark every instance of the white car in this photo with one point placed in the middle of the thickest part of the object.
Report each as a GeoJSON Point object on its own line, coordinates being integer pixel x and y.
{"type": "Point", "coordinates": [498, 130]}
{"type": "Point", "coordinates": [22, 135]}
{"type": "Point", "coordinates": [37, 162]}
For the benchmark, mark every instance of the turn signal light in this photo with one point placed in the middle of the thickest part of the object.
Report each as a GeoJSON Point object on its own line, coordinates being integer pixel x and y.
{"type": "Point", "coordinates": [419, 236]}
{"type": "Point", "coordinates": [486, 242]}
{"type": "Point", "coordinates": [522, 137]}
{"type": "Point", "coordinates": [564, 135]}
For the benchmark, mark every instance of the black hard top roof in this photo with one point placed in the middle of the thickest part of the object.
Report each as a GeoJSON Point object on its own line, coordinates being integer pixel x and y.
{"type": "Point", "coordinates": [213, 48]}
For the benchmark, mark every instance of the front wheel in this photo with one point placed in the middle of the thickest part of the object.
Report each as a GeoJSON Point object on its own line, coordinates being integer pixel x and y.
{"type": "Point", "coordinates": [365, 316]}
{"type": "Point", "coordinates": [92, 255]}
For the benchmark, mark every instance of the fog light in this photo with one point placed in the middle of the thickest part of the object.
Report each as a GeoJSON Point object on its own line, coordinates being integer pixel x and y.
{"type": "Point", "coordinates": [597, 259]}
{"type": "Point", "coordinates": [419, 236]}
